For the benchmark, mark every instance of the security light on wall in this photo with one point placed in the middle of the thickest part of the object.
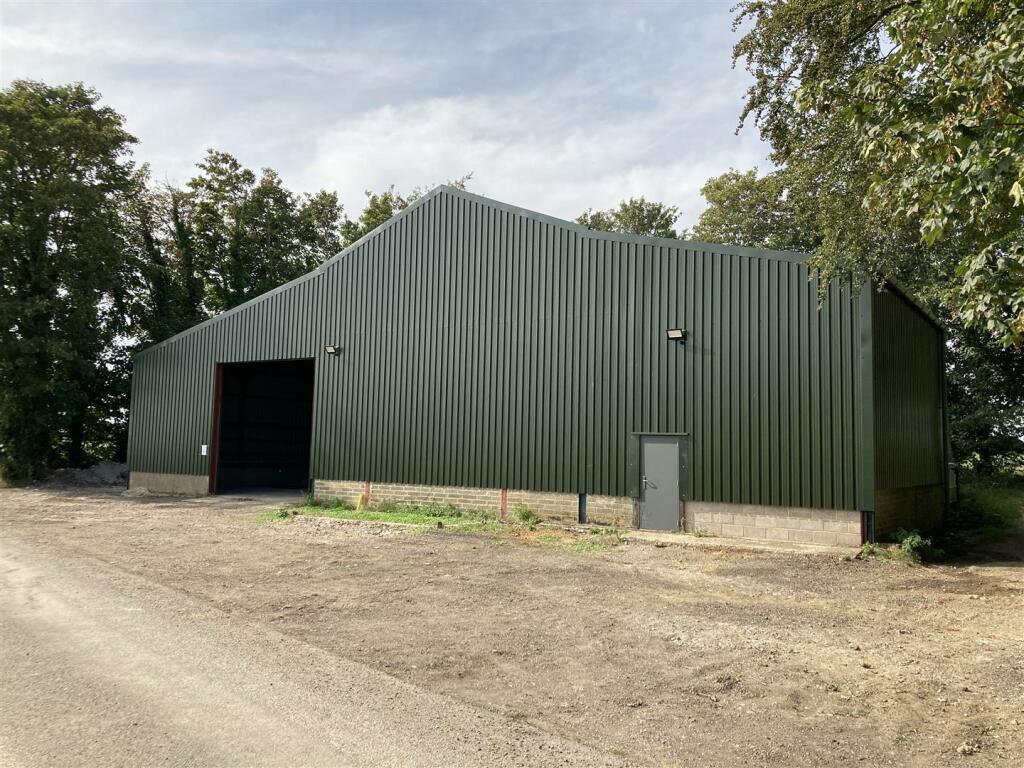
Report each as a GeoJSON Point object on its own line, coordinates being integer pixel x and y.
{"type": "Point", "coordinates": [676, 334]}
{"type": "Point", "coordinates": [332, 349]}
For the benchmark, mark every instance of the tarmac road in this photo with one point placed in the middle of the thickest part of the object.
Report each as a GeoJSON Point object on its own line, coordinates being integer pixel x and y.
{"type": "Point", "coordinates": [103, 667]}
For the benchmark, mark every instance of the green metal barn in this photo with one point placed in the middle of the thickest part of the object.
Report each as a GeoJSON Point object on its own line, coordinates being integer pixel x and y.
{"type": "Point", "coordinates": [476, 353]}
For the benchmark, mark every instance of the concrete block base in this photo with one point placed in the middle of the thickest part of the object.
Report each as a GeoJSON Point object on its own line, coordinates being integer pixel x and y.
{"type": "Point", "coordinates": [179, 485]}
{"type": "Point", "coordinates": [556, 507]}
{"type": "Point", "coordinates": [836, 527]}
{"type": "Point", "coordinates": [614, 511]}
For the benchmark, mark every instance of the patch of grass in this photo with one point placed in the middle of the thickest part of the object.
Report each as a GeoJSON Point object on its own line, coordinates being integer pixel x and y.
{"type": "Point", "coordinates": [526, 516]}
{"type": "Point", "coordinates": [274, 515]}
{"type": "Point", "coordinates": [869, 549]}
{"type": "Point", "coordinates": [522, 528]}
{"type": "Point", "coordinates": [700, 533]}
{"type": "Point", "coordinates": [988, 505]}
{"type": "Point", "coordinates": [312, 501]}
{"type": "Point", "coordinates": [594, 540]}
{"type": "Point", "coordinates": [427, 516]}
{"type": "Point", "coordinates": [905, 546]}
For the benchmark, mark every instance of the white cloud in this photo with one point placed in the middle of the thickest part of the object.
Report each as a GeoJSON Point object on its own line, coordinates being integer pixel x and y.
{"type": "Point", "coordinates": [531, 150]}
{"type": "Point", "coordinates": [553, 107]}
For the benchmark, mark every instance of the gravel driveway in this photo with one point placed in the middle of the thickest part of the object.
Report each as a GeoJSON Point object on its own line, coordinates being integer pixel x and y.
{"type": "Point", "coordinates": [162, 631]}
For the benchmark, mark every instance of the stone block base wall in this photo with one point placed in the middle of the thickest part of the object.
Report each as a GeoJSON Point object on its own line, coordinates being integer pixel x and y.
{"type": "Point", "coordinates": [556, 507]}
{"type": "Point", "coordinates": [811, 526]}
{"type": "Point", "coordinates": [919, 508]}
{"type": "Point", "coordinates": [616, 511]}
{"type": "Point", "coordinates": [488, 499]}
{"type": "Point", "coordinates": [346, 490]}
{"type": "Point", "coordinates": [836, 527]}
{"type": "Point", "coordinates": [158, 482]}
{"type": "Point", "coordinates": [561, 507]}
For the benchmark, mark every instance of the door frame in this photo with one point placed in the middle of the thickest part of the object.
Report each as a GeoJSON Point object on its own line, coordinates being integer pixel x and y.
{"type": "Point", "coordinates": [218, 385]}
{"type": "Point", "coordinates": [218, 391]}
{"type": "Point", "coordinates": [633, 472]}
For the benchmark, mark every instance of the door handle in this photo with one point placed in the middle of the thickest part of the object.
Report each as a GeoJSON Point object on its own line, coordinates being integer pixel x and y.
{"type": "Point", "coordinates": [647, 482]}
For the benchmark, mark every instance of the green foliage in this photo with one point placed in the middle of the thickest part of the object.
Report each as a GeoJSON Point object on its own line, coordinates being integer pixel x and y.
{"type": "Point", "coordinates": [427, 510]}
{"type": "Point", "coordinates": [915, 548]}
{"type": "Point", "coordinates": [65, 178]}
{"type": "Point", "coordinates": [941, 123]}
{"type": "Point", "coordinates": [249, 234]}
{"type": "Point", "coordinates": [744, 209]}
{"type": "Point", "coordinates": [592, 541]}
{"type": "Point", "coordinates": [905, 546]}
{"type": "Point", "coordinates": [309, 500]}
{"type": "Point", "coordinates": [901, 123]}
{"type": "Point", "coordinates": [275, 515]}
{"type": "Point", "coordinates": [526, 516]}
{"type": "Point", "coordinates": [989, 504]}
{"type": "Point", "coordinates": [427, 516]}
{"type": "Point", "coordinates": [869, 549]}
{"type": "Point", "coordinates": [985, 397]}
{"type": "Point", "coordinates": [637, 216]}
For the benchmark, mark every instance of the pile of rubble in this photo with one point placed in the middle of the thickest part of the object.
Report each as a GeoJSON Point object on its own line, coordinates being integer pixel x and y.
{"type": "Point", "coordinates": [106, 473]}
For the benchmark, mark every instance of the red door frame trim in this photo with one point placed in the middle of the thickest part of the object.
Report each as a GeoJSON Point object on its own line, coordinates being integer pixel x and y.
{"type": "Point", "coordinates": [218, 383]}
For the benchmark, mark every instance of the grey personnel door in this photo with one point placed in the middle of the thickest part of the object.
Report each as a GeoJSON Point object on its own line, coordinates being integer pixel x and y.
{"type": "Point", "coordinates": [659, 482]}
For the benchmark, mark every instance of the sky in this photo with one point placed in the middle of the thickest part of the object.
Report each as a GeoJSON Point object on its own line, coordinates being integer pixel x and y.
{"type": "Point", "coordinates": [553, 106]}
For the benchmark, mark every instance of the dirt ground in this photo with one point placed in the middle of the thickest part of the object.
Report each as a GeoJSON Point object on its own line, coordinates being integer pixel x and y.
{"type": "Point", "coordinates": [677, 655]}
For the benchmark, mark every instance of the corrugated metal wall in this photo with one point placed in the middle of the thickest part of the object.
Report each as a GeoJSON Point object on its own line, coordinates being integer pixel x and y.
{"type": "Point", "coordinates": [908, 394]}
{"type": "Point", "coordinates": [488, 346]}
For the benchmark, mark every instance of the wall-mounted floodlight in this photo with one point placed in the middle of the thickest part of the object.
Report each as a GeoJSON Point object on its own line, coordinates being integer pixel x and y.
{"type": "Point", "coordinates": [332, 349]}
{"type": "Point", "coordinates": [676, 334]}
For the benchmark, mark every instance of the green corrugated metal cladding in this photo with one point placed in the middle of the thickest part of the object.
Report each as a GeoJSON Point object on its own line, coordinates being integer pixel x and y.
{"type": "Point", "coordinates": [484, 345]}
{"type": "Point", "coordinates": [908, 394]}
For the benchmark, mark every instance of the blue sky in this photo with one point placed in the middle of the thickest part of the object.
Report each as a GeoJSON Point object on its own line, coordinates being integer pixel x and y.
{"type": "Point", "coordinates": [553, 106]}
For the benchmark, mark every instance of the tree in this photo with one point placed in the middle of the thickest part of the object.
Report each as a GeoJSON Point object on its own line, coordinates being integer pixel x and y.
{"type": "Point", "coordinates": [163, 302]}
{"type": "Point", "coordinates": [744, 209]}
{"type": "Point", "coordinates": [249, 234]}
{"type": "Point", "coordinates": [381, 206]}
{"type": "Point", "coordinates": [637, 215]}
{"type": "Point", "coordinates": [378, 209]}
{"type": "Point", "coordinates": [901, 116]}
{"type": "Point", "coordinates": [65, 176]}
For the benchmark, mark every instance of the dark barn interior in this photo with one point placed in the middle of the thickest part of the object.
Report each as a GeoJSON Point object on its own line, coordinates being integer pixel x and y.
{"type": "Point", "coordinates": [266, 423]}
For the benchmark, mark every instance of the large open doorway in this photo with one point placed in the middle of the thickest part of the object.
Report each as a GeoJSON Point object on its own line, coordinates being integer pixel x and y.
{"type": "Point", "coordinates": [263, 425]}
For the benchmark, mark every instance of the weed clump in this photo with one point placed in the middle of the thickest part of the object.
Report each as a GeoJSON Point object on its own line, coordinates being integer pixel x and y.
{"type": "Point", "coordinates": [274, 515]}
{"type": "Point", "coordinates": [915, 548]}
{"type": "Point", "coordinates": [595, 540]}
{"type": "Point", "coordinates": [908, 546]}
{"type": "Point", "coordinates": [309, 500]}
{"type": "Point", "coordinates": [869, 549]}
{"type": "Point", "coordinates": [527, 516]}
